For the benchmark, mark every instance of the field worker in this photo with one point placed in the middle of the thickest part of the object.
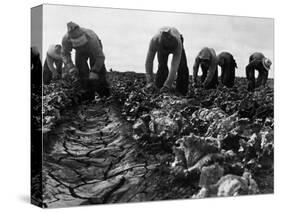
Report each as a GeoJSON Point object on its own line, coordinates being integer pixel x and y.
{"type": "Point", "coordinates": [167, 41]}
{"type": "Point", "coordinates": [228, 64]}
{"type": "Point", "coordinates": [53, 64]}
{"type": "Point", "coordinates": [36, 66]}
{"type": "Point", "coordinates": [35, 59]}
{"type": "Point", "coordinates": [208, 61]}
{"type": "Point", "coordinates": [260, 63]}
{"type": "Point", "coordinates": [88, 47]}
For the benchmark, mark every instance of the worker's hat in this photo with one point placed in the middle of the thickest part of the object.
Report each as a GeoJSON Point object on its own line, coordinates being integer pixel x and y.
{"type": "Point", "coordinates": [54, 51]}
{"type": "Point", "coordinates": [266, 63]}
{"type": "Point", "coordinates": [76, 34]}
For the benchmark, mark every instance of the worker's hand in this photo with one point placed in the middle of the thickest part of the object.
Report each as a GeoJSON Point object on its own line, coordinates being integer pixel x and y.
{"type": "Point", "coordinates": [93, 76]}
{"type": "Point", "coordinates": [164, 89]}
{"type": "Point", "coordinates": [73, 71]}
{"type": "Point", "coordinates": [150, 87]}
{"type": "Point", "coordinates": [55, 75]}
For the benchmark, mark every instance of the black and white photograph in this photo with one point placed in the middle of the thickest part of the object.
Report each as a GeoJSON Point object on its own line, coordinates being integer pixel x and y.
{"type": "Point", "coordinates": [142, 105]}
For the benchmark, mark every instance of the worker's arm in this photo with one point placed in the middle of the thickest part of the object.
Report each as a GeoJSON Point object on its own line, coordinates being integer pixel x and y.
{"type": "Point", "coordinates": [149, 60]}
{"type": "Point", "coordinates": [50, 63]}
{"type": "Point", "coordinates": [95, 47]}
{"type": "Point", "coordinates": [211, 72]}
{"type": "Point", "coordinates": [195, 70]}
{"type": "Point", "coordinates": [66, 52]}
{"type": "Point", "coordinates": [212, 68]}
{"type": "Point", "coordinates": [174, 66]}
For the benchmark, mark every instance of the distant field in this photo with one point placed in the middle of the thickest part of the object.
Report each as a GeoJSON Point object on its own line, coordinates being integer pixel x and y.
{"type": "Point", "coordinates": [242, 80]}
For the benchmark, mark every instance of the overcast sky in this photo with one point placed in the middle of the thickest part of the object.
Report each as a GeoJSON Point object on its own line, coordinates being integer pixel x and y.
{"type": "Point", "coordinates": [125, 34]}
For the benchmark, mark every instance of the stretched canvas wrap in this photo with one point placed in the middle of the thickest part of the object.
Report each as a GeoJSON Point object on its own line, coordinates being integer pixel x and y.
{"type": "Point", "coordinates": [136, 106]}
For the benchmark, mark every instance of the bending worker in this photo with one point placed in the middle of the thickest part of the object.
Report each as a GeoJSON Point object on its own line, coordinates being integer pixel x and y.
{"type": "Point", "coordinates": [259, 62]}
{"type": "Point", "coordinates": [36, 66]}
{"type": "Point", "coordinates": [167, 41]}
{"type": "Point", "coordinates": [228, 64]}
{"type": "Point", "coordinates": [53, 64]}
{"type": "Point", "coordinates": [208, 61]}
{"type": "Point", "coordinates": [88, 46]}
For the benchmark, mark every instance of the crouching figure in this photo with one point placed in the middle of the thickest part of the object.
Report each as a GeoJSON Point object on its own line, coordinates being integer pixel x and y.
{"type": "Point", "coordinates": [87, 46]}
{"type": "Point", "coordinates": [259, 62]}
{"type": "Point", "coordinates": [228, 64]}
{"type": "Point", "coordinates": [207, 60]}
{"type": "Point", "coordinates": [167, 41]}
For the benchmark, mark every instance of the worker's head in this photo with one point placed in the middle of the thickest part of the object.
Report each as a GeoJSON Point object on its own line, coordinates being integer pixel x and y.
{"type": "Point", "coordinates": [205, 62]}
{"type": "Point", "coordinates": [55, 51]}
{"type": "Point", "coordinates": [205, 57]}
{"type": "Point", "coordinates": [76, 35]}
{"type": "Point", "coordinates": [266, 63]}
{"type": "Point", "coordinates": [168, 41]}
{"type": "Point", "coordinates": [58, 49]}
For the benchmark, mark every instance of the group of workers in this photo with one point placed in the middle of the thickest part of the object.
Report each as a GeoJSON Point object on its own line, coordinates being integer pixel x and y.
{"type": "Point", "coordinates": [168, 40]}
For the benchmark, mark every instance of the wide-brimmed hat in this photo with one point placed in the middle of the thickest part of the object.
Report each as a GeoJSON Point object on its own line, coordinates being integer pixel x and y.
{"type": "Point", "coordinates": [76, 34]}
{"type": "Point", "coordinates": [266, 63]}
{"type": "Point", "coordinates": [54, 51]}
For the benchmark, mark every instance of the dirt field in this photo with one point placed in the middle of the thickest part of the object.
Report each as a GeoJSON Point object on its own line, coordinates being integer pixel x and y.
{"type": "Point", "coordinates": [128, 148]}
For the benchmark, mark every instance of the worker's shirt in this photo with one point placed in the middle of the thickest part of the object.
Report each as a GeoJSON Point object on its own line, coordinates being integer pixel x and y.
{"type": "Point", "coordinates": [93, 45]}
{"type": "Point", "coordinates": [208, 54]}
{"type": "Point", "coordinates": [155, 46]}
{"type": "Point", "coordinates": [52, 57]}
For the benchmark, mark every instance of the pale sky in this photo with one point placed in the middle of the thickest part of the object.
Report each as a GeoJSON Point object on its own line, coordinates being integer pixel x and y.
{"type": "Point", "coordinates": [125, 34]}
